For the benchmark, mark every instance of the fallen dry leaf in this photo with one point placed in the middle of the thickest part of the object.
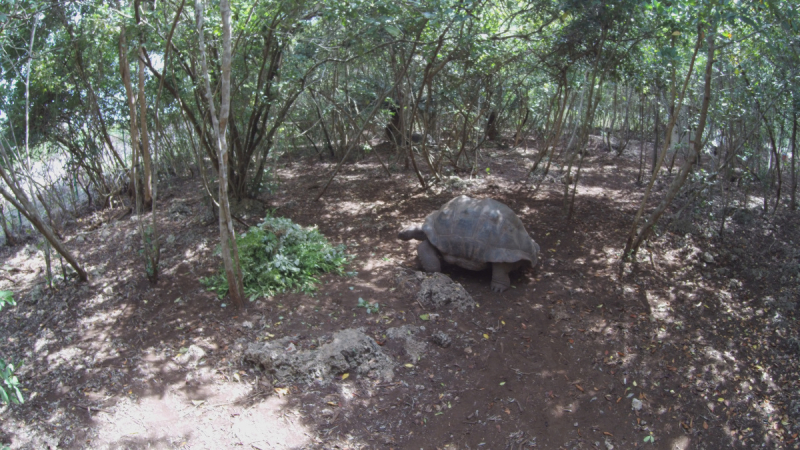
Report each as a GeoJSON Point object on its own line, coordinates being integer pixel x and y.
{"type": "Point", "coordinates": [282, 391]}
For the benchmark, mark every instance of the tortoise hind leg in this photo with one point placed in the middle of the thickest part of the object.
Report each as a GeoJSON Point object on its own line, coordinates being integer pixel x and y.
{"type": "Point", "coordinates": [429, 257]}
{"type": "Point", "coordinates": [500, 279]}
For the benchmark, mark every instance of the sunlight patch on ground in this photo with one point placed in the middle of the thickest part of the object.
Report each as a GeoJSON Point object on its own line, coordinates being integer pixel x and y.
{"type": "Point", "coordinates": [377, 263]}
{"type": "Point", "coordinates": [178, 419]}
{"type": "Point", "coordinates": [559, 411]}
{"type": "Point", "coordinates": [660, 306]}
{"type": "Point", "coordinates": [680, 443]}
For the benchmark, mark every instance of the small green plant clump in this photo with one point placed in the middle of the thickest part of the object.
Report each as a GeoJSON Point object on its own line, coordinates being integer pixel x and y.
{"type": "Point", "coordinates": [281, 256]}
{"type": "Point", "coordinates": [370, 307]}
{"type": "Point", "coordinates": [9, 384]}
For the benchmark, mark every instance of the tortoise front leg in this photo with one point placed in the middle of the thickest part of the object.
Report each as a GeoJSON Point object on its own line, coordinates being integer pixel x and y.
{"type": "Point", "coordinates": [500, 279]}
{"type": "Point", "coordinates": [429, 257]}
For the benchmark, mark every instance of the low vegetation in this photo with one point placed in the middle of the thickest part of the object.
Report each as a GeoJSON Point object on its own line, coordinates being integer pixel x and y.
{"type": "Point", "coordinates": [281, 256]}
{"type": "Point", "coordinates": [9, 384]}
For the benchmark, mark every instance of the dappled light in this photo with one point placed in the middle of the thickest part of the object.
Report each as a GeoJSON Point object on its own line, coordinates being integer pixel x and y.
{"type": "Point", "coordinates": [574, 346]}
{"type": "Point", "coordinates": [212, 225]}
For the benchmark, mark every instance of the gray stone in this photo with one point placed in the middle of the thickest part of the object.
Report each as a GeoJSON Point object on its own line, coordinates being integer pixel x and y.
{"type": "Point", "coordinates": [414, 347]}
{"type": "Point", "coordinates": [435, 290]}
{"type": "Point", "coordinates": [441, 339]}
{"type": "Point", "coordinates": [350, 351]}
{"type": "Point", "coordinates": [191, 355]}
{"type": "Point", "coordinates": [179, 209]}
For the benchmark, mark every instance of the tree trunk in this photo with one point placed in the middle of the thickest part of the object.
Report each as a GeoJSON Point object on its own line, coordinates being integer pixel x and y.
{"type": "Point", "coordinates": [230, 251]}
{"type": "Point", "coordinates": [635, 225]}
{"type": "Point", "coordinates": [591, 107]}
{"type": "Point", "coordinates": [657, 122]}
{"type": "Point", "coordinates": [144, 138]}
{"type": "Point", "coordinates": [491, 126]}
{"type": "Point", "coordinates": [11, 240]}
{"type": "Point", "coordinates": [777, 156]}
{"type": "Point", "coordinates": [794, 162]}
{"type": "Point", "coordinates": [636, 239]}
{"type": "Point", "coordinates": [20, 201]}
{"type": "Point", "coordinates": [608, 136]}
{"type": "Point", "coordinates": [124, 68]}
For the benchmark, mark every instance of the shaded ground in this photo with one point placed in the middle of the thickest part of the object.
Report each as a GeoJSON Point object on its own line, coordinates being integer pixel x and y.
{"type": "Point", "coordinates": [693, 346]}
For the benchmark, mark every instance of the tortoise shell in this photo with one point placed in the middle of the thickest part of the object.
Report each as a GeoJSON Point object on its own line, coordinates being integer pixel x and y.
{"type": "Point", "coordinates": [474, 232]}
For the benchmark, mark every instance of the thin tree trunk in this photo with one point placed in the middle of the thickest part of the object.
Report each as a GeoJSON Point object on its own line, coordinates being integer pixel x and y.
{"type": "Point", "coordinates": [635, 225]}
{"type": "Point", "coordinates": [657, 135]}
{"type": "Point", "coordinates": [230, 251]}
{"type": "Point", "coordinates": [777, 156]}
{"type": "Point", "coordinates": [144, 137]}
{"type": "Point", "coordinates": [636, 239]}
{"type": "Point", "coordinates": [591, 108]}
{"type": "Point", "coordinates": [610, 134]}
{"type": "Point", "coordinates": [793, 192]}
{"type": "Point", "coordinates": [11, 240]}
{"type": "Point", "coordinates": [20, 201]}
{"type": "Point", "coordinates": [124, 68]}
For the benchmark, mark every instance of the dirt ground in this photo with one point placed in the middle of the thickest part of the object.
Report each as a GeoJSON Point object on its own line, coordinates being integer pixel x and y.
{"type": "Point", "coordinates": [693, 346]}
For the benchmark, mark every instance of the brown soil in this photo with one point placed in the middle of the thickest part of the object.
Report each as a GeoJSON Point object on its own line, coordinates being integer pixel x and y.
{"type": "Point", "coordinates": [679, 350]}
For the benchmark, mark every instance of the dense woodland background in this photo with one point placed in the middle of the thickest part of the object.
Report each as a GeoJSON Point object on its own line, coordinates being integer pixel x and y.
{"type": "Point", "coordinates": [101, 99]}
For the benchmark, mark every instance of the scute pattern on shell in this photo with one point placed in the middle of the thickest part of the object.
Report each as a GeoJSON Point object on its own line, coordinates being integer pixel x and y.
{"type": "Point", "coordinates": [480, 231]}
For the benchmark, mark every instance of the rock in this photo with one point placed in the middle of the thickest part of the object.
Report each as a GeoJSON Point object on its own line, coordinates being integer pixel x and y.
{"type": "Point", "coordinates": [179, 209]}
{"type": "Point", "coordinates": [708, 258]}
{"type": "Point", "coordinates": [435, 290]}
{"type": "Point", "coordinates": [350, 351]}
{"type": "Point", "coordinates": [414, 348]}
{"type": "Point", "coordinates": [637, 404]}
{"type": "Point", "coordinates": [441, 339]}
{"type": "Point", "coordinates": [438, 291]}
{"type": "Point", "coordinates": [192, 355]}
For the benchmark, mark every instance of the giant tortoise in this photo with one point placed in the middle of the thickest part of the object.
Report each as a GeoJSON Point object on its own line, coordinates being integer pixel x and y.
{"type": "Point", "coordinates": [472, 233]}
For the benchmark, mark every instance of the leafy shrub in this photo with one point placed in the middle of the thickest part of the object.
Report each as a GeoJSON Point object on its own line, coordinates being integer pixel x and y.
{"type": "Point", "coordinates": [9, 384]}
{"type": "Point", "coordinates": [280, 256]}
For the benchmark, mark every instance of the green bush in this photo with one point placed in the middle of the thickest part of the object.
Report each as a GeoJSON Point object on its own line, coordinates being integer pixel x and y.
{"type": "Point", "coordinates": [280, 256]}
{"type": "Point", "coordinates": [9, 384]}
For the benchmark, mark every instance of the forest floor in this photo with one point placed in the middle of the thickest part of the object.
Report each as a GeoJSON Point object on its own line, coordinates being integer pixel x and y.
{"type": "Point", "coordinates": [692, 346]}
